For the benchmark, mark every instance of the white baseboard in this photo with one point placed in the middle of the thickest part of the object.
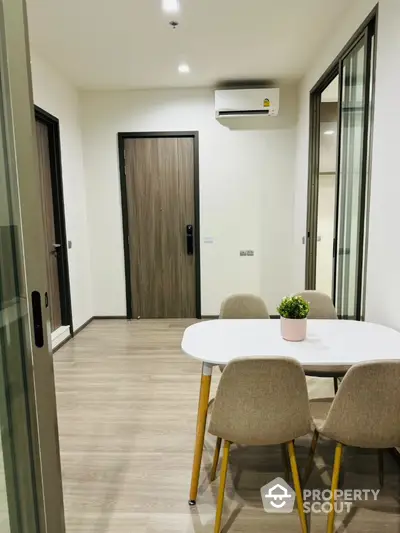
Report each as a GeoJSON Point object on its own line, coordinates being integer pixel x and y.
{"type": "Point", "coordinates": [59, 335]}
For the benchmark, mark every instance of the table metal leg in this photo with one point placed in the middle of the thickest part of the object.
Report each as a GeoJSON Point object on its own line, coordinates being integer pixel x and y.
{"type": "Point", "coordinates": [200, 429]}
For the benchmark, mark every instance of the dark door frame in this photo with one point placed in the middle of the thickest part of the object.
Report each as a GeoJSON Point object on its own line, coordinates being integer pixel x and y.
{"type": "Point", "coordinates": [368, 28]}
{"type": "Point", "coordinates": [124, 198]}
{"type": "Point", "coordinates": [53, 126]}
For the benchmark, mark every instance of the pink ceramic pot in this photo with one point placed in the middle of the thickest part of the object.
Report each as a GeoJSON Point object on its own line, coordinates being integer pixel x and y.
{"type": "Point", "coordinates": [293, 329]}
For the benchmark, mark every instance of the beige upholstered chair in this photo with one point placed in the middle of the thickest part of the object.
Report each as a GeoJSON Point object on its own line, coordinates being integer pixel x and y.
{"type": "Point", "coordinates": [260, 401]}
{"type": "Point", "coordinates": [364, 413]}
{"type": "Point", "coordinates": [247, 306]}
{"type": "Point", "coordinates": [321, 307]}
{"type": "Point", "coordinates": [243, 306]}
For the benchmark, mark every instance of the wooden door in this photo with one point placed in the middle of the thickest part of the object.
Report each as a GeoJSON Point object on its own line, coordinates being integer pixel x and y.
{"type": "Point", "coordinates": [42, 134]}
{"type": "Point", "coordinates": [160, 197]}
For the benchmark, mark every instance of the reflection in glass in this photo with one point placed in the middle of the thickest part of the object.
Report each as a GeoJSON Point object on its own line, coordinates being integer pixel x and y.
{"type": "Point", "coordinates": [327, 186]}
{"type": "Point", "coordinates": [16, 476]}
{"type": "Point", "coordinates": [350, 181]}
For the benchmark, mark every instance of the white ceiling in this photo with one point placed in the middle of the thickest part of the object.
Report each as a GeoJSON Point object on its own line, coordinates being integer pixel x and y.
{"type": "Point", "coordinates": [129, 43]}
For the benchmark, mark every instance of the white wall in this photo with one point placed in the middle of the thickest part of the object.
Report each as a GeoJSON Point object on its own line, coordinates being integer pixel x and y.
{"type": "Point", "coordinates": [56, 95]}
{"type": "Point", "coordinates": [246, 191]}
{"type": "Point", "coordinates": [383, 280]}
{"type": "Point", "coordinates": [326, 202]}
{"type": "Point", "coordinates": [326, 217]}
{"type": "Point", "coordinates": [328, 147]}
{"type": "Point", "coordinates": [383, 285]}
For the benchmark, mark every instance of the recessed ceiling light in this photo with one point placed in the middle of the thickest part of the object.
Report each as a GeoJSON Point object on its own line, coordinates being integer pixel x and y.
{"type": "Point", "coordinates": [170, 6]}
{"type": "Point", "coordinates": [184, 68]}
{"type": "Point", "coordinates": [329, 132]}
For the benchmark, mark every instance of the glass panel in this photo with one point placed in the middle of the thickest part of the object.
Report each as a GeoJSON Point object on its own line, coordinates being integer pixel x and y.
{"type": "Point", "coordinates": [368, 180]}
{"type": "Point", "coordinates": [327, 186]}
{"type": "Point", "coordinates": [350, 180]}
{"type": "Point", "coordinates": [24, 460]}
{"type": "Point", "coordinates": [27, 392]}
{"type": "Point", "coordinates": [14, 416]}
{"type": "Point", "coordinates": [7, 297]}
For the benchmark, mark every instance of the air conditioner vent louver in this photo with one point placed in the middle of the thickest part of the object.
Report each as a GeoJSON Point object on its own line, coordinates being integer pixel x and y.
{"type": "Point", "coordinates": [244, 112]}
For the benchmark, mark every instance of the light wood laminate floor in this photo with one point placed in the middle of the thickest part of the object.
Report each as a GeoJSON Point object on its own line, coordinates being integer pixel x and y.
{"type": "Point", "coordinates": [127, 403]}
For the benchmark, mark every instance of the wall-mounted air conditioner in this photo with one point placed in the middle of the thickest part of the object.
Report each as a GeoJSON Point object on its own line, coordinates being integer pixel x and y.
{"type": "Point", "coordinates": [246, 102]}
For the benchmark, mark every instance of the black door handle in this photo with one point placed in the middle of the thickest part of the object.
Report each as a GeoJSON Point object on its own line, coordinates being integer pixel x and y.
{"type": "Point", "coordinates": [189, 239]}
{"type": "Point", "coordinates": [37, 319]}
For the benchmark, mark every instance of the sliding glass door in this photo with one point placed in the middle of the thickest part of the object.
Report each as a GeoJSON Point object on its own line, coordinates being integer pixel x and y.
{"type": "Point", "coordinates": [348, 133]}
{"type": "Point", "coordinates": [352, 178]}
{"type": "Point", "coordinates": [30, 475]}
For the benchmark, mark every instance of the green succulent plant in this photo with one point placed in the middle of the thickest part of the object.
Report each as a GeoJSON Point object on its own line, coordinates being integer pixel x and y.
{"type": "Point", "coordinates": [293, 307]}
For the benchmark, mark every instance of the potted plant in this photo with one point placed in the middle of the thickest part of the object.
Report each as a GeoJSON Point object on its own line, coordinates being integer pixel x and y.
{"type": "Point", "coordinates": [293, 311]}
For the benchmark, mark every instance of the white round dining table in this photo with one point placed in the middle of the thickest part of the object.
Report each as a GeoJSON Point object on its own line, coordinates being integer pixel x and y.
{"type": "Point", "coordinates": [332, 346]}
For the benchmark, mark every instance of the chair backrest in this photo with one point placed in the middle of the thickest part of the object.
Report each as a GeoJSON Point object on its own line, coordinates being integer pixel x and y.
{"type": "Point", "coordinates": [321, 305]}
{"type": "Point", "coordinates": [366, 409]}
{"type": "Point", "coordinates": [243, 306]}
{"type": "Point", "coordinates": [261, 401]}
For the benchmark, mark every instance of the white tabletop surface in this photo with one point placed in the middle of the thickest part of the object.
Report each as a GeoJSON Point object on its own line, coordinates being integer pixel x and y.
{"type": "Point", "coordinates": [328, 342]}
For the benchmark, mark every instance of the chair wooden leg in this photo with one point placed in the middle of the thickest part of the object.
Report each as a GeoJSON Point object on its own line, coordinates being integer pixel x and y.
{"type": "Point", "coordinates": [381, 467]}
{"type": "Point", "coordinates": [222, 483]}
{"type": "Point", "coordinates": [310, 460]}
{"type": "Point", "coordinates": [285, 461]}
{"type": "Point", "coordinates": [204, 396]}
{"type": "Point", "coordinates": [297, 487]}
{"type": "Point", "coordinates": [216, 459]}
{"type": "Point", "coordinates": [335, 482]}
